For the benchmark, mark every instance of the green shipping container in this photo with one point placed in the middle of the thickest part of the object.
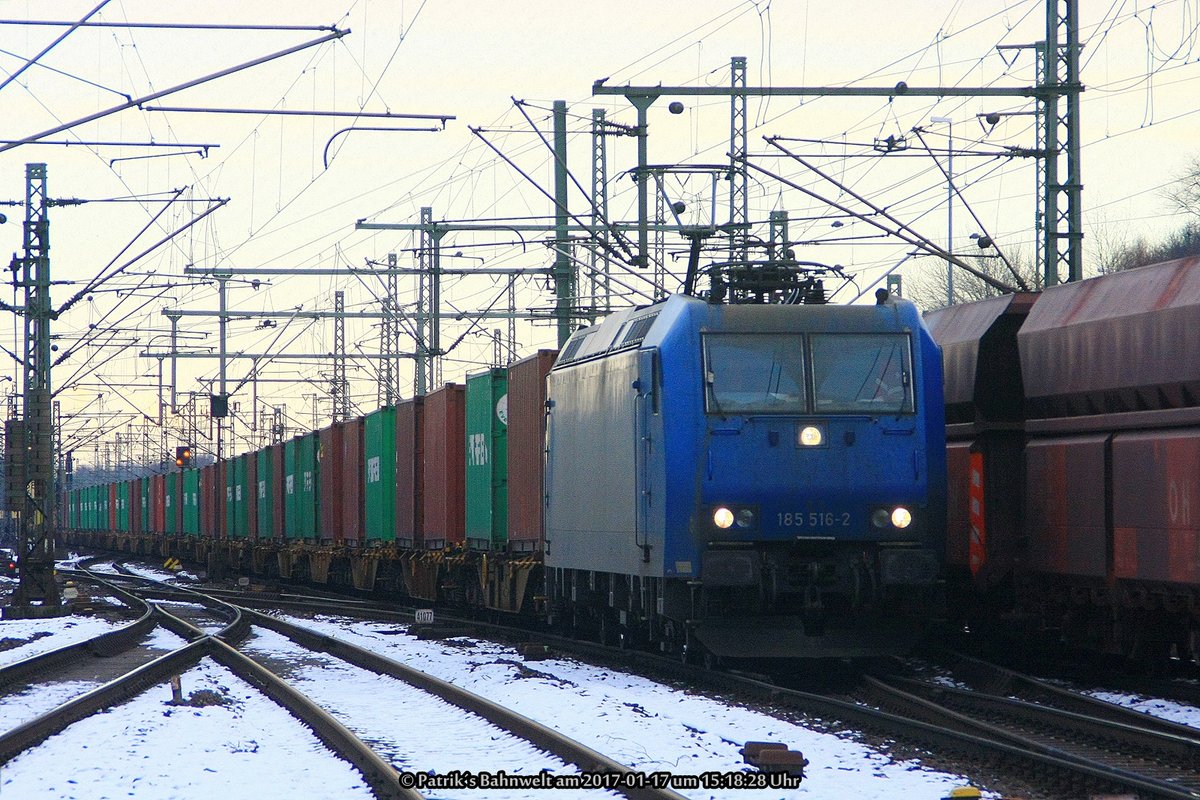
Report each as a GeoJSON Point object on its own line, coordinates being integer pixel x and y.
{"type": "Point", "coordinates": [487, 460]}
{"type": "Point", "coordinates": [300, 455]}
{"type": "Point", "coordinates": [379, 475]}
{"type": "Point", "coordinates": [237, 499]}
{"type": "Point", "coordinates": [169, 501]}
{"type": "Point", "coordinates": [145, 504]}
{"type": "Point", "coordinates": [266, 498]}
{"type": "Point", "coordinates": [191, 502]}
{"type": "Point", "coordinates": [290, 485]}
{"type": "Point", "coordinates": [123, 492]}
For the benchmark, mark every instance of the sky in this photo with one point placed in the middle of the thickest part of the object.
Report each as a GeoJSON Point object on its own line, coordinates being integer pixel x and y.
{"type": "Point", "coordinates": [296, 185]}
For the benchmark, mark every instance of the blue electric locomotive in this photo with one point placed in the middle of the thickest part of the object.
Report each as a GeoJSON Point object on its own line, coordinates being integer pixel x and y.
{"type": "Point", "coordinates": [746, 480]}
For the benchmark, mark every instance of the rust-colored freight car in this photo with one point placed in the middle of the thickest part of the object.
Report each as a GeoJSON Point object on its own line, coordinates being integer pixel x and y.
{"type": "Point", "coordinates": [1108, 446]}
{"type": "Point", "coordinates": [1065, 507]}
{"type": "Point", "coordinates": [445, 465]}
{"type": "Point", "coordinates": [526, 443]}
{"type": "Point", "coordinates": [158, 493]}
{"type": "Point", "coordinates": [985, 434]}
{"type": "Point", "coordinates": [352, 482]}
{"type": "Point", "coordinates": [333, 476]}
{"type": "Point", "coordinates": [410, 473]}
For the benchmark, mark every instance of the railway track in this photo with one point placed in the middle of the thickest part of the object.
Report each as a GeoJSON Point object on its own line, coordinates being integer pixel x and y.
{"type": "Point", "coordinates": [1062, 741]}
{"type": "Point", "coordinates": [234, 646]}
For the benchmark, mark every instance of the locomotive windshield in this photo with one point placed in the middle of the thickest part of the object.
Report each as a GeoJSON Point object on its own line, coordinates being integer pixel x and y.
{"type": "Point", "coordinates": [826, 373]}
{"type": "Point", "coordinates": [862, 373]}
{"type": "Point", "coordinates": [755, 373]}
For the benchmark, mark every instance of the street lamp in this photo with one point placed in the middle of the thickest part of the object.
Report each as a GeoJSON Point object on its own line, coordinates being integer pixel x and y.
{"type": "Point", "coordinates": [949, 206]}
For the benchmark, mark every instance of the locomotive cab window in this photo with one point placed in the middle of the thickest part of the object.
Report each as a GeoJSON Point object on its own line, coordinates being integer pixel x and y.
{"type": "Point", "coordinates": [754, 373]}
{"type": "Point", "coordinates": [855, 373]}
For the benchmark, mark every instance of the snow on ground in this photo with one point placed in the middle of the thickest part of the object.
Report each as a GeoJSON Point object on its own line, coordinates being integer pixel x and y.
{"type": "Point", "coordinates": [35, 700]}
{"type": "Point", "coordinates": [159, 574]}
{"type": "Point", "coordinates": [146, 748]}
{"type": "Point", "coordinates": [381, 710]}
{"type": "Point", "coordinates": [645, 725]}
{"type": "Point", "coordinates": [23, 638]}
{"type": "Point", "coordinates": [1165, 709]}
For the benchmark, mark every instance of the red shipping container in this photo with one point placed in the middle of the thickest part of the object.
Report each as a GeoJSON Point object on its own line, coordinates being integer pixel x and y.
{"type": "Point", "coordinates": [135, 505]}
{"type": "Point", "coordinates": [445, 467]}
{"type": "Point", "coordinates": [208, 500]}
{"type": "Point", "coordinates": [352, 481]}
{"type": "Point", "coordinates": [277, 489]}
{"type": "Point", "coordinates": [410, 472]}
{"type": "Point", "coordinates": [526, 443]}
{"type": "Point", "coordinates": [158, 496]}
{"type": "Point", "coordinates": [223, 498]}
{"type": "Point", "coordinates": [251, 495]}
{"type": "Point", "coordinates": [112, 507]}
{"type": "Point", "coordinates": [332, 472]}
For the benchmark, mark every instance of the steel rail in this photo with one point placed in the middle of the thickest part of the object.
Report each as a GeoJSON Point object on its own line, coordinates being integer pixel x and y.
{"type": "Point", "coordinates": [34, 731]}
{"type": "Point", "coordinates": [979, 740]}
{"type": "Point", "coordinates": [1185, 747]}
{"type": "Point", "coordinates": [234, 632]}
{"type": "Point", "coordinates": [383, 779]}
{"type": "Point", "coordinates": [106, 644]}
{"type": "Point", "coordinates": [918, 708]}
{"type": "Point", "coordinates": [1002, 680]}
{"type": "Point", "coordinates": [542, 737]}
{"type": "Point", "coordinates": [901, 715]}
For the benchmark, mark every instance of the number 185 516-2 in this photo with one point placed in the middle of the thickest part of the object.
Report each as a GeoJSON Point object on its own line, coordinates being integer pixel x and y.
{"type": "Point", "coordinates": [813, 519]}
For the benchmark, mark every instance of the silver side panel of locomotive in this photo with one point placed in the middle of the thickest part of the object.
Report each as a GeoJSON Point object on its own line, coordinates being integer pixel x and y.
{"type": "Point", "coordinates": [592, 481]}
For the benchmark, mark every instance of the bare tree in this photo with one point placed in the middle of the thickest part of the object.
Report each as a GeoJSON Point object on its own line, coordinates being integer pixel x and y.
{"type": "Point", "coordinates": [928, 286]}
{"type": "Point", "coordinates": [1184, 191]}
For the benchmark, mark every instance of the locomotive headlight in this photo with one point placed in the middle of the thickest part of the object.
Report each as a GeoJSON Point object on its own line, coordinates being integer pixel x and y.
{"type": "Point", "coordinates": [722, 517]}
{"type": "Point", "coordinates": [901, 517]}
{"type": "Point", "coordinates": [745, 518]}
{"type": "Point", "coordinates": [812, 436]}
{"type": "Point", "coordinates": [880, 518]}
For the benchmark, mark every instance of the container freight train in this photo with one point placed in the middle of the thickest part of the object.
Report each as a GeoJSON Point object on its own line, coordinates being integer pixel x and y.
{"type": "Point", "coordinates": [730, 481]}
{"type": "Point", "coordinates": [1073, 427]}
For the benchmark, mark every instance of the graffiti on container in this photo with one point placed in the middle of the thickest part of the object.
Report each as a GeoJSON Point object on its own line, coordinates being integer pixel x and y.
{"type": "Point", "coordinates": [291, 484]}
{"type": "Point", "coordinates": [262, 489]}
{"type": "Point", "coordinates": [373, 469]}
{"type": "Point", "coordinates": [308, 481]}
{"type": "Point", "coordinates": [477, 449]}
